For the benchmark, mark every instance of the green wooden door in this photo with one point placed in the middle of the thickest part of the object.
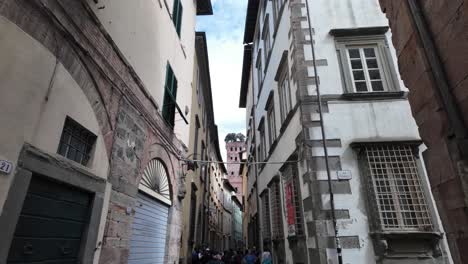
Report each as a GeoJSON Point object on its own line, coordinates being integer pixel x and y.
{"type": "Point", "coordinates": [51, 224]}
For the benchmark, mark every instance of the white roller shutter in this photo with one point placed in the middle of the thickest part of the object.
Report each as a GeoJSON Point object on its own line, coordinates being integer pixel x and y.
{"type": "Point", "coordinates": [149, 229]}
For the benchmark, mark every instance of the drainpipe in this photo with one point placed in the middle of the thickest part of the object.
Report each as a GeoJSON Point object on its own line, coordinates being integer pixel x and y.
{"type": "Point", "coordinates": [254, 143]}
{"type": "Point", "coordinates": [324, 137]}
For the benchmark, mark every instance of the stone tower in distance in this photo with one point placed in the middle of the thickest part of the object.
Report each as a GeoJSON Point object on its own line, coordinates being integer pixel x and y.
{"type": "Point", "coordinates": [235, 146]}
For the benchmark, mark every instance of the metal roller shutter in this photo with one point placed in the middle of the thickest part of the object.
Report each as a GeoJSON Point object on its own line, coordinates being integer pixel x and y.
{"type": "Point", "coordinates": [149, 229]}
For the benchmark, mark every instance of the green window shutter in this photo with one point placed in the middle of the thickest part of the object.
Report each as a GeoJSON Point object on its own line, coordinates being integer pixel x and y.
{"type": "Point", "coordinates": [177, 15]}
{"type": "Point", "coordinates": [179, 19]}
{"type": "Point", "coordinates": [170, 95]}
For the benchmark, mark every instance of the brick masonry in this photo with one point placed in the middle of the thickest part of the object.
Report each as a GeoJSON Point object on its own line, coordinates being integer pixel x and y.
{"type": "Point", "coordinates": [124, 109]}
{"type": "Point", "coordinates": [446, 22]}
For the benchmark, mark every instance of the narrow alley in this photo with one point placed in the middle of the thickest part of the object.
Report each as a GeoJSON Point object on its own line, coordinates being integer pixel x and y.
{"type": "Point", "coordinates": [234, 131]}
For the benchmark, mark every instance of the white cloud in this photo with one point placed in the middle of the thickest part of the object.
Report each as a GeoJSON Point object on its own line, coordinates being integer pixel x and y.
{"type": "Point", "coordinates": [224, 32]}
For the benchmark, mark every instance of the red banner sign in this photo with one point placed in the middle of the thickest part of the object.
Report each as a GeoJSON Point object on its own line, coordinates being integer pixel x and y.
{"type": "Point", "coordinates": [290, 208]}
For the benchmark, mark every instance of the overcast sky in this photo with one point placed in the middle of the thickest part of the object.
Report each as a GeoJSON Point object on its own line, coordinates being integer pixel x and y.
{"type": "Point", "coordinates": [224, 32]}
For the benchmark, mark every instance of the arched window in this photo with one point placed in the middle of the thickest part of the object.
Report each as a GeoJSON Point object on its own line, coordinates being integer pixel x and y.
{"type": "Point", "coordinates": [155, 181]}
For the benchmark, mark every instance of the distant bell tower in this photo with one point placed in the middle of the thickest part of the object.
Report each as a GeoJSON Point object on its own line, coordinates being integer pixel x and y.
{"type": "Point", "coordinates": [235, 145]}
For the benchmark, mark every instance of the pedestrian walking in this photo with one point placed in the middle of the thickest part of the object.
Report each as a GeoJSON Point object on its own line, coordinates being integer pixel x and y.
{"type": "Point", "coordinates": [250, 258]}
{"type": "Point", "coordinates": [266, 257]}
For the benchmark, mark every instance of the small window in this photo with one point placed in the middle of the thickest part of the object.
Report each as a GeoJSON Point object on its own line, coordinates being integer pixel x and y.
{"type": "Point", "coordinates": [170, 95]}
{"type": "Point", "coordinates": [366, 69]}
{"type": "Point", "coordinates": [76, 142]}
{"type": "Point", "coordinates": [177, 16]}
{"type": "Point", "coordinates": [266, 38]}
{"type": "Point", "coordinates": [366, 64]}
{"type": "Point", "coordinates": [271, 120]}
{"type": "Point", "coordinates": [262, 146]}
{"type": "Point", "coordinates": [259, 72]}
{"type": "Point", "coordinates": [284, 92]}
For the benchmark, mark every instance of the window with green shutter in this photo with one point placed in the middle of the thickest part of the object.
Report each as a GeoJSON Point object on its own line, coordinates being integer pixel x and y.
{"type": "Point", "coordinates": [177, 15]}
{"type": "Point", "coordinates": [170, 95]}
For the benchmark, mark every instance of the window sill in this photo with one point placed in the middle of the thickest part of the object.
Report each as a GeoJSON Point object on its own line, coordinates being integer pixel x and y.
{"type": "Point", "coordinates": [429, 235]}
{"type": "Point", "coordinates": [287, 120]}
{"type": "Point", "coordinates": [375, 95]}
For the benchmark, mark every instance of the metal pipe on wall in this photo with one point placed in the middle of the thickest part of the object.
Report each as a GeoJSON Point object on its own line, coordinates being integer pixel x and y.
{"type": "Point", "coordinates": [324, 137]}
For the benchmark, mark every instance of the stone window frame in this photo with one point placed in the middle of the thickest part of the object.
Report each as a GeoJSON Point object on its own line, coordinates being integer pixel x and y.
{"type": "Point", "coordinates": [262, 143]}
{"type": "Point", "coordinates": [290, 174]}
{"type": "Point", "coordinates": [379, 41]}
{"type": "Point", "coordinates": [86, 144]}
{"type": "Point", "coordinates": [266, 38]}
{"type": "Point", "coordinates": [378, 220]}
{"type": "Point", "coordinates": [282, 75]}
{"type": "Point", "coordinates": [53, 166]}
{"type": "Point", "coordinates": [266, 214]}
{"type": "Point", "coordinates": [271, 119]}
{"type": "Point", "coordinates": [259, 72]}
{"type": "Point", "coordinates": [278, 7]}
{"type": "Point", "coordinates": [276, 204]}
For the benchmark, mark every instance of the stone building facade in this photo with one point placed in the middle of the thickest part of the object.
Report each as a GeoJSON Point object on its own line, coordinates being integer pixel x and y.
{"type": "Point", "coordinates": [233, 159]}
{"type": "Point", "coordinates": [430, 38]}
{"type": "Point", "coordinates": [365, 197]}
{"type": "Point", "coordinates": [91, 134]}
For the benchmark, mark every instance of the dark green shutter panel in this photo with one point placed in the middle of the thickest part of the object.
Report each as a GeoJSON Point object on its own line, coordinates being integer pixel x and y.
{"type": "Point", "coordinates": [170, 95]}
{"type": "Point", "coordinates": [177, 16]}
{"type": "Point", "coordinates": [179, 19]}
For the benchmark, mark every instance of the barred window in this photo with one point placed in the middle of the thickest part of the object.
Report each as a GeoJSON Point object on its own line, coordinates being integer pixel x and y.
{"type": "Point", "coordinates": [266, 216]}
{"type": "Point", "coordinates": [397, 188]}
{"type": "Point", "coordinates": [276, 214]}
{"type": "Point", "coordinates": [293, 201]}
{"type": "Point", "coordinates": [76, 142]}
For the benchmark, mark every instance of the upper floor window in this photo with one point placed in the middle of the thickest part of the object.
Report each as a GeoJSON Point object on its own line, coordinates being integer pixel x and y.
{"type": "Point", "coordinates": [170, 95]}
{"type": "Point", "coordinates": [366, 63]}
{"type": "Point", "coordinates": [177, 16]}
{"type": "Point", "coordinates": [277, 6]}
{"type": "Point", "coordinates": [366, 69]}
{"type": "Point", "coordinates": [266, 38]}
{"type": "Point", "coordinates": [399, 198]}
{"type": "Point", "coordinates": [284, 88]}
{"type": "Point", "coordinates": [262, 144]}
{"type": "Point", "coordinates": [270, 107]}
{"type": "Point", "coordinates": [76, 142]}
{"type": "Point", "coordinates": [259, 71]}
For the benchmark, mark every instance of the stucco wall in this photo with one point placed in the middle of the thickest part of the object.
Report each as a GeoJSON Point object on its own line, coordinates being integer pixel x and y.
{"type": "Point", "coordinates": [35, 101]}
{"type": "Point", "coordinates": [345, 121]}
{"type": "Point", "coordinates": [145, 34]}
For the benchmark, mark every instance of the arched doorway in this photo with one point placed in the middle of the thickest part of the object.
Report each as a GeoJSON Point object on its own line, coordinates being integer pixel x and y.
{"type": "Point", "coordinates": [149, 228]}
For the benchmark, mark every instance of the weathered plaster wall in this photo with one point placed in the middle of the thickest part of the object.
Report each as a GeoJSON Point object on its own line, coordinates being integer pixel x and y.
{"type": "Point", "coordinates": [38, 93]}
{"type": "Point", "coordinates": [36, 100]}
{"type": "Point", "coordinates": [138, 29]}
{"type": "Point", "coordinates": [126, 117]}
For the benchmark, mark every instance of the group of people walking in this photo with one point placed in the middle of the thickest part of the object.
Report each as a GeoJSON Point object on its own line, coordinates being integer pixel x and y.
{"type": "Point", "coordinates": [207, 256]}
